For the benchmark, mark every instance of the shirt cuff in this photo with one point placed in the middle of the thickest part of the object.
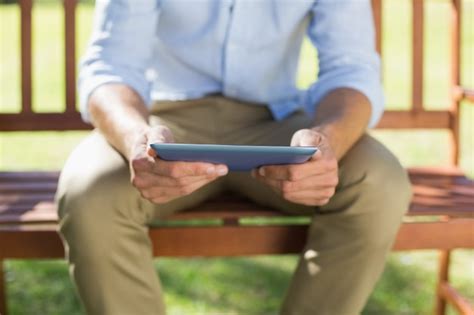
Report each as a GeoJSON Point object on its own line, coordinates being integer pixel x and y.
{"type": "Point", "coordinates": [92, 77]}
{"type": "Point", "coordinates": [363, 80]}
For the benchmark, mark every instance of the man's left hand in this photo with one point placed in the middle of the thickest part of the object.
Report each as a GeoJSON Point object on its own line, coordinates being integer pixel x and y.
{"type": "Point", "coordinates": [311, 183]}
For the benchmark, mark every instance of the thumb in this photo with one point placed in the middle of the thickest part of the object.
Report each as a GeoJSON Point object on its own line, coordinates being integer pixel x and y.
{"type": "Point", "coordinates": [306, 138]}
{"type": "Point", "coordinates": [317, 155]}
{"type": "Point", "coordinates": [158, 134]}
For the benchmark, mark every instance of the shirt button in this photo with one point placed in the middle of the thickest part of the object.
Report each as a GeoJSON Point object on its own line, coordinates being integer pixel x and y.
{"type": "Point", "coordinates": [230, 91]}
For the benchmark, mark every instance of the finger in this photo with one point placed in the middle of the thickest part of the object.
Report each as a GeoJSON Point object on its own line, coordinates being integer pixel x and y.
{"type": "Point", "coordinates": [181, 169]}
{"type": "Point", "coordinates": [295, 172]}
{"type": "Point", "coordinates": [317, 155]}
{"type": "Point", "coordinates": [158, 134]}
{"type": "Point", "coordinates": [316, 182]}
{"type": "Point", "coordinates": [147, 179]}
{"type": "Point", "coordinates": [310, 202]}
{"type": "Point", "coordinates": [317, 195]}
{"type": "Point", "coordinates": [310, 197]}
{"type": "Point", "coordinates": [160, 194]}
{"type": "Point", "coordinates": [142, 164]}
{"type": "Point", "coordinates": [284, 172]}
{"type": "Point", "coordinates": [273, 183]}
{"type": "Point", "coordinates": [306, 137]}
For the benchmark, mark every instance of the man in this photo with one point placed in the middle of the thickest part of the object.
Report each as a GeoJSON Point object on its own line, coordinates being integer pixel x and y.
{"type": "Point", "coordinates": [223, 72]}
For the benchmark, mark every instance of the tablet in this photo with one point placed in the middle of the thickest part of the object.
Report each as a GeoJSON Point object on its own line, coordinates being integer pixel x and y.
{"type": "Point", "coordinates": [236, 157]}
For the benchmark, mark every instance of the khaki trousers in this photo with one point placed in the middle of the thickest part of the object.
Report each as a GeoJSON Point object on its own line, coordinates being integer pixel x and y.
{"type": "Point", "coordinates": [103, 219]}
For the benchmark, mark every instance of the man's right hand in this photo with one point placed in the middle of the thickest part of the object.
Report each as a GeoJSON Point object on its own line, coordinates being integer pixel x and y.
{"type": "Point", "coordinates": [161, 181]}
{"type": "Point", "coordinates": [122, 117]}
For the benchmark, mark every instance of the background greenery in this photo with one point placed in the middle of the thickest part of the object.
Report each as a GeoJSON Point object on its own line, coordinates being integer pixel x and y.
{"type": "Point", "coordinates": [253, 285]}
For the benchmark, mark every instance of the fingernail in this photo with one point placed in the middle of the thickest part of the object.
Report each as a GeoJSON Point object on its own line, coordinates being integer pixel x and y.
{"type": "Point", "coordinates": [210, 170]}
{"type": "Point", "coordinates": [221, 171]}
{"type": "Point", "coordinates": [261, 171]}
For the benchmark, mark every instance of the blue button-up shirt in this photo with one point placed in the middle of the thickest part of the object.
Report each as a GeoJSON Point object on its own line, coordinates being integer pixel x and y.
{"type": "Point", "coordinates": [244, 49]}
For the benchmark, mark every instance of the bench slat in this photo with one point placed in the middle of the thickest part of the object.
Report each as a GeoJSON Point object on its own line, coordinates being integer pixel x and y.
{"type": "Point", "coordinates": [44, 242]}
{"type": "Point", "coordinates": [46, 213]}
{"type": "Point", "coordinates": [27, 187]}
{"type": "Point", "coordinates": [30, 175]}
{"type": "Point", "coordinates": [27, 198]}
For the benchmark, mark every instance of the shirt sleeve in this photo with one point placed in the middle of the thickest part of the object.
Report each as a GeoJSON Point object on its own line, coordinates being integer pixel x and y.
{"type": "Point", "coordinates": [120, 48]}
{"type": "Point", "coordinates": [343, 33]}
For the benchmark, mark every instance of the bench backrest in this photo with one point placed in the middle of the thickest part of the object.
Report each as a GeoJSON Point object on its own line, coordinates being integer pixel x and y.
{"type": "Point", "coordinates": [415, 117]}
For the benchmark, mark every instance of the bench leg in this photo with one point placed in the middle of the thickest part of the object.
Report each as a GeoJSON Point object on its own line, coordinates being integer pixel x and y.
{"type": "Point", "coordinates": [443, 277]}
{"type": "Point", "coordinates": [3, 291]}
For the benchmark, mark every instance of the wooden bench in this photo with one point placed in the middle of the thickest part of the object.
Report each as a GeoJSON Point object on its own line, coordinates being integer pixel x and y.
{"type": "Point", "coordinates": [444, 197]}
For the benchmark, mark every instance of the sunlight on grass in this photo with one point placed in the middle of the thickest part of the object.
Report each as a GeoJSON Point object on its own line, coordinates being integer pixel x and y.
{"type": "Point", "coordinates": [245, 286]}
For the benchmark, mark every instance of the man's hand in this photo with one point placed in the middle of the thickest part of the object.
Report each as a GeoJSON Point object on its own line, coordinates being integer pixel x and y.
{"type": "Point", "coordinates": [312, 183]}
{"type": "Point", "coordinates": [161, 181]}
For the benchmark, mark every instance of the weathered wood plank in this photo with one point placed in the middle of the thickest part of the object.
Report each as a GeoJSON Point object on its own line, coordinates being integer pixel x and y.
{"type": "Point", "coordinates": [417, 55]}
{"type": "Point", "coordinates": [455, 233]}
{"type": "Point", "coordinates": [415, 120]}
{"type": "Point", "coordinates": [37, 242]}
{"type": "Point", "coordinates": [42, 121]}
{"type": "Point", "coordinates": [70, 53]}
{"type": "Point", "coordinates": [26, 56]}
{"type": "Point", "coordinates": [28, 198]}
{"type": "Point", "coordinates": [453, 297]}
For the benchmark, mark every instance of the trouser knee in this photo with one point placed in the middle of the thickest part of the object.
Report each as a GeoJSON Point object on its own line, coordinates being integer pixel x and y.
{"type": "Point", "coordinates": [374, 192]}
{"type": "Point", "coordinates": [373, 179]}
{"type": "Point", "coordinates": [92, 209]}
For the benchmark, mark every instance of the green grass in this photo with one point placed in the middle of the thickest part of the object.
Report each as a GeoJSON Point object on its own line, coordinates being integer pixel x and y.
{"type": "Point", "coordinates": [253, 285]}
{"type": "Point", "coordinates": [244, 286]}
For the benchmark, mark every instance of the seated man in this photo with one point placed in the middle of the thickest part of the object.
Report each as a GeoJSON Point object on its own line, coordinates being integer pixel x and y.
{"type": "Point", "coordinates": [224, 72]}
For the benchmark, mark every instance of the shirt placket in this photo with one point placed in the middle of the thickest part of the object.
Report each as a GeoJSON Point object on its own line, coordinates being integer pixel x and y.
{"type": "Point", "coordinates": [228, 88]}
